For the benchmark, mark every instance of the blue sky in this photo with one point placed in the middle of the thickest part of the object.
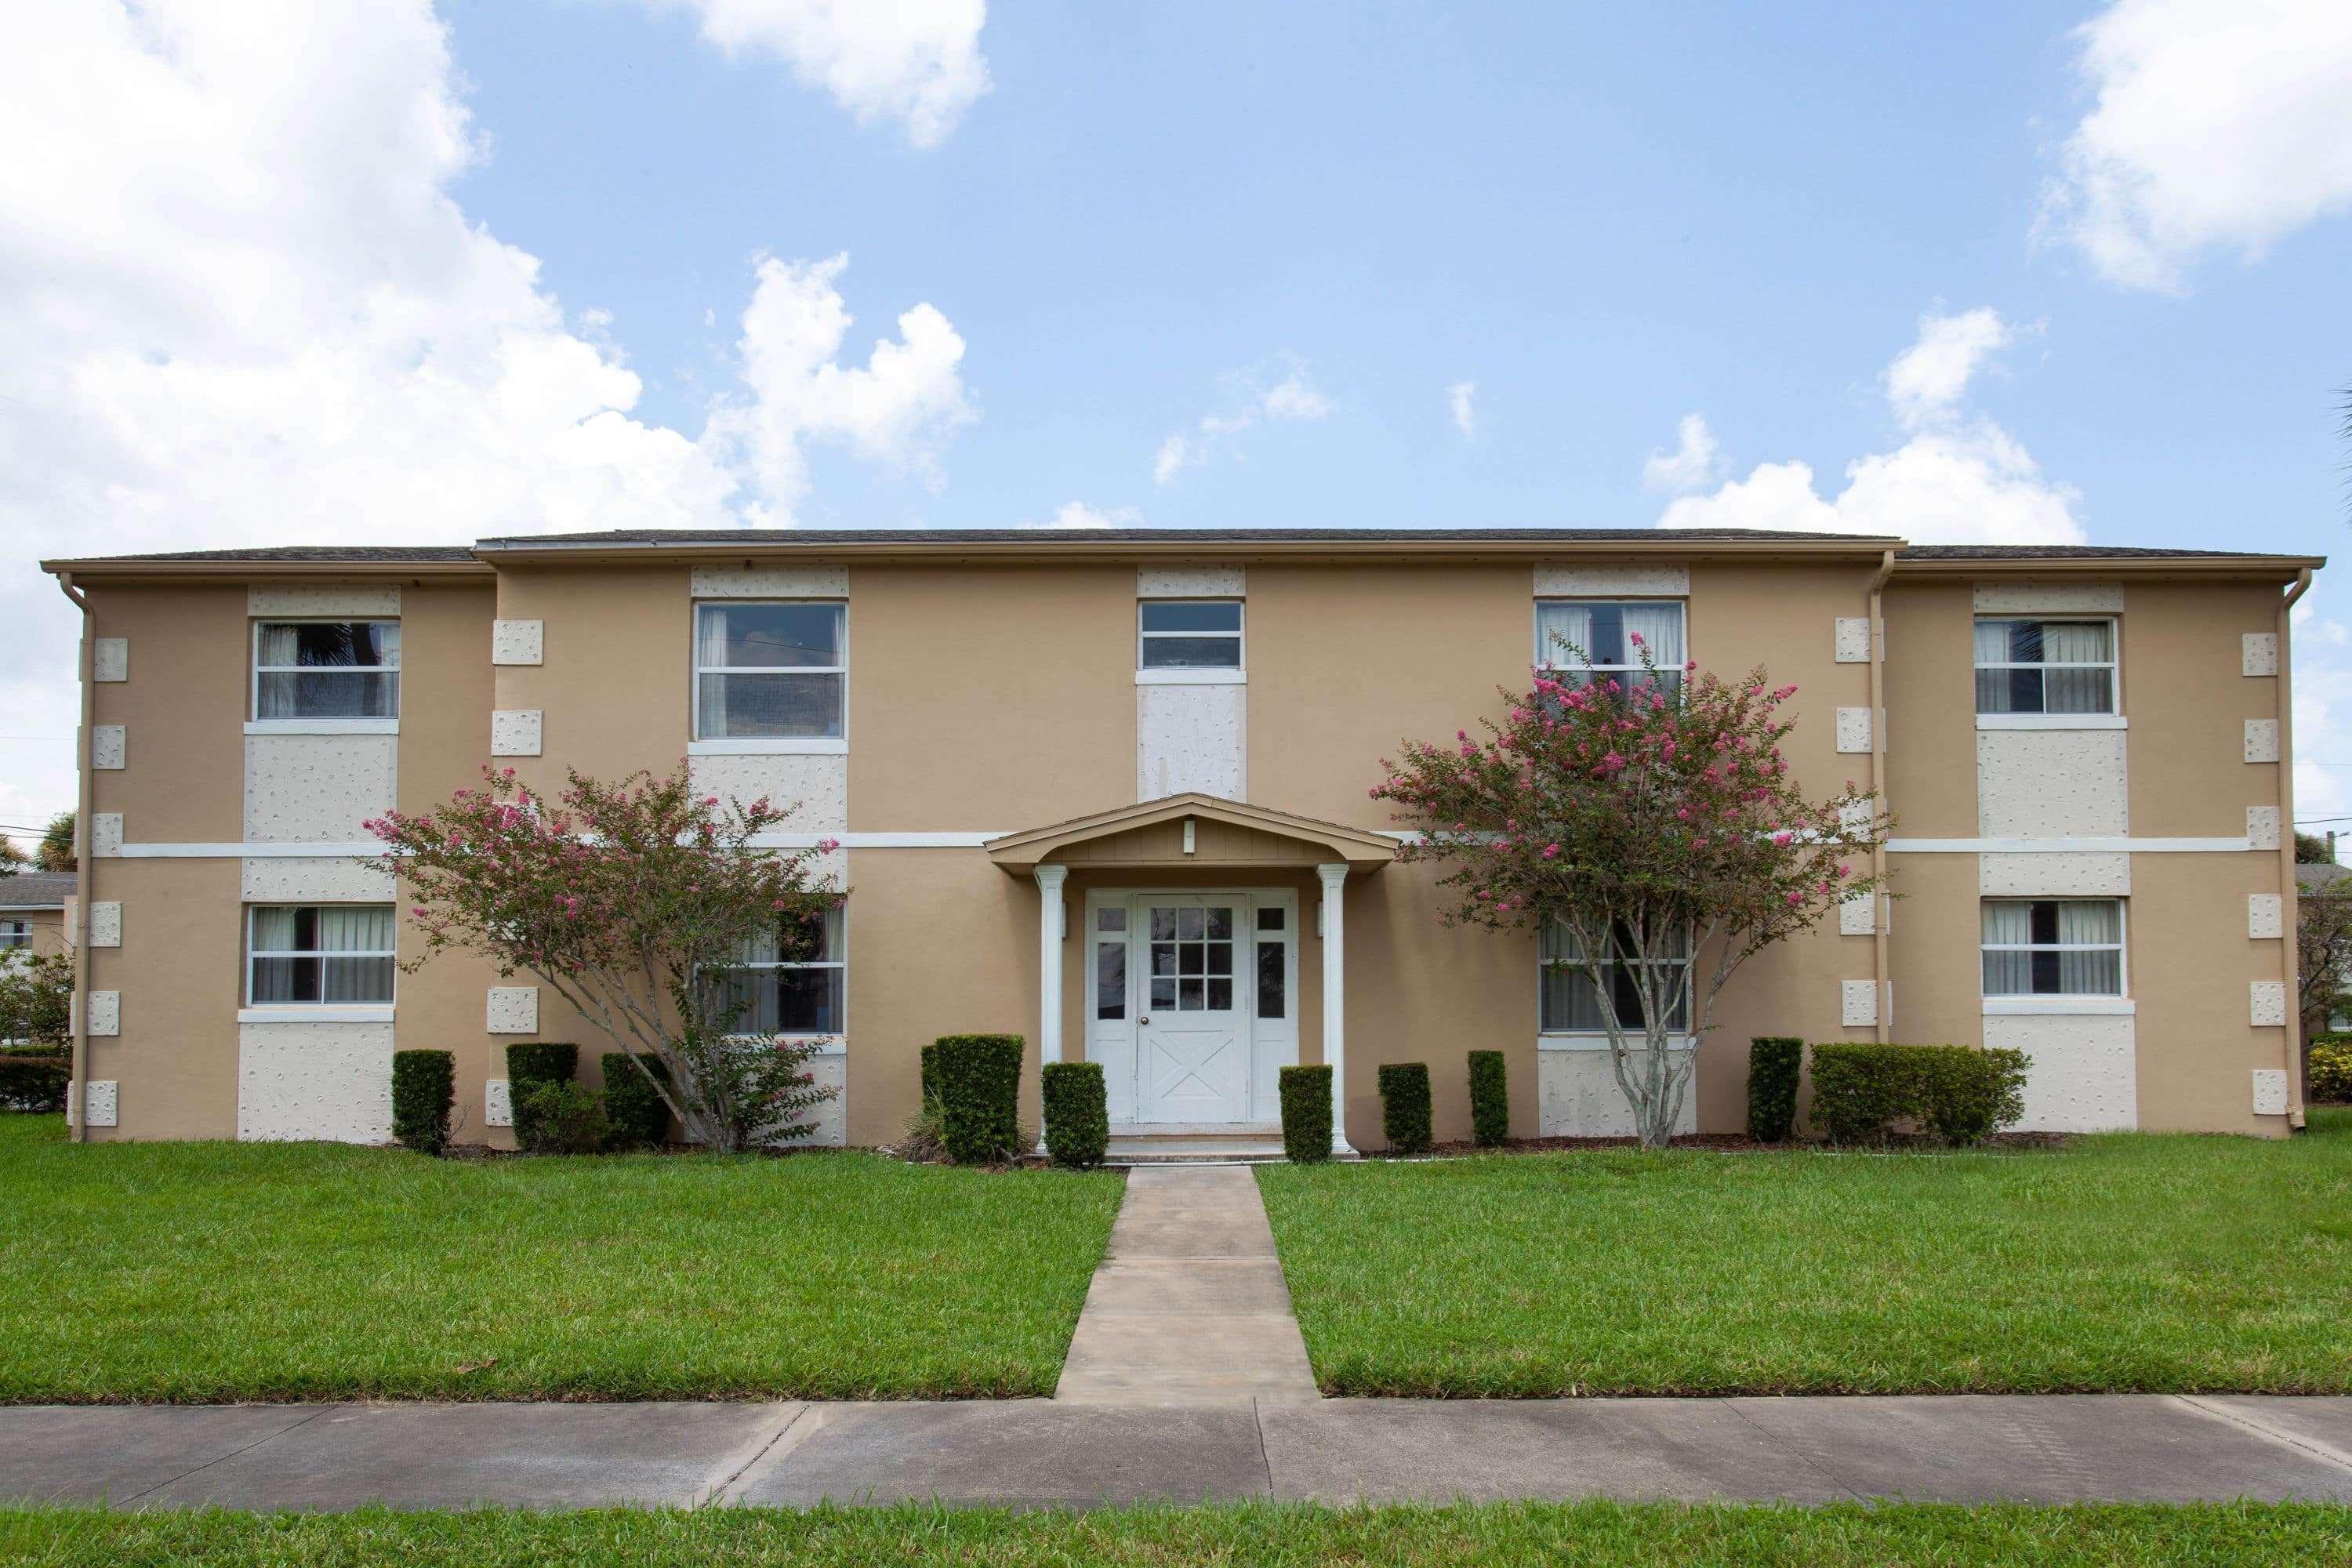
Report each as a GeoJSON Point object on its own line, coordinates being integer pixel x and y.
{"type": "Point", "coordinates": [365, 272]}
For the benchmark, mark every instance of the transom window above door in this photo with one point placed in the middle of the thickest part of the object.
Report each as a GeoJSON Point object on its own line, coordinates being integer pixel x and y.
{"type": "Point", "coordinates": [1189, 634]}
{"type": "Point", "coordinates": [770, 671]}
{"type": "Point", "coordinates": [326, 670]}
{"type": "Point", "coordinates": [1190, 962]}
{"type": "Point", "coordinates": [2045, 666]}
{"type": "Point", "coordinates": [1585, 641]}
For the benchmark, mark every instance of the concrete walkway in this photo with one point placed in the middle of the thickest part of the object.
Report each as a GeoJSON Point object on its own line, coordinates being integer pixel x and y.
{"type": "Point", "coordinates": [1036, 1452]}
{"type": "Point", "coordinates": [1189, 1307]}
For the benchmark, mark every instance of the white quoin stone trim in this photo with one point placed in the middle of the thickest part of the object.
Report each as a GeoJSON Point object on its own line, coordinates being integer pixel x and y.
{"type": "Point", "coordinates": [321, 599]}
{"type": "Point", "coordinates": [515, 733]}
{"type": "Point", "coordinates": [2049, 598]}
{"type": "Point", "coordinates": [106, 834]}
{"type": "Point", "coordinates": [1335, 997]}
{"type": "Point", "coordinates": [1857, 1002]}
{"type": "Point", "coordinates": [2262, 741]}
{"type": "Point", "coordinates": [105, 1014]}
{"type": "Point", "coordinates": [511, 1010]}
{"type": "Point", "coordinates": [110, 660]}
{"type": "Point", "coordinates": [101, 1103]}
{"type": "Point", "coordinates": [497, 1104]}
{"type": "Point", "coordinates": [1853, 639]}
{"type": "Point", "coordinates": [1192, 582]}
{"type": "Point", "coordinates": [769, 582]}
{"type": "Point", "coordinates": [2267, 1004]}
{"type": "Point", "coordinates": [108, 746]}
{"type": "Point", "coordinates": [2265, 916]}
{"type": "Point", "coordinates": [2269, 1091]}
{"type": "Point", "coordinates": [1853, 729]}
{"type": "Point", "coordinates": [1051, 917]}
{"type": "Point", "coordinates": [106, 924]}
{"type": "Point", "coordinates": [1858, 914]}
{"type": "Point", "coordinates": [517, 642]}
{"type": "Point", "coordinates": [1655, 582]}
{"type": "Point", "coordinates": [2257, 652]}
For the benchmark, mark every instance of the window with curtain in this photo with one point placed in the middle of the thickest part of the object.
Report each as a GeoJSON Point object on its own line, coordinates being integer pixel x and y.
{"type": "Point", "coordinates": [2045, 666]}
{"type": "Point", "coordinates": [1568, 1003]}
{"type": "Point", "coordinates": [326, 670]}
{"type": "Point", "coordinates": [1189, 634]}
{"type": "Point", "coordinates": [1584, 640]}
{"type": "Point", "coordinates": [2053, 947]}
{"type": "Point", "coordinates": [16, 933]}
{"type": "Point", "coordinates": [791, 981]}
{"type": "Point", "coordinates": [318, 954]}
{"type": "Point", "coordinates": [770, 671]}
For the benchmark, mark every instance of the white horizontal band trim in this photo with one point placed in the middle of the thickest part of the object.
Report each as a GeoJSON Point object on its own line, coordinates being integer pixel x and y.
{"type": "Point", "coordinates": [314, 1015]}
{"type": "Point", "coordinates": [1192, 678]}
{"type": "Point", "coordinates": [288, 851]}
{"type": "Point", "coordinates": [322, 726]}
{"type": "Point", "coordinates": [1578, 1040]}
{"type": "Point", "coordinates": [946, 840]}
{"type": "Point", "coordinates": [2052, 722]}
{"type": "Point", "coordinates": [766, 746]}
{"type": "Point", "coordinates": [2058, 1006]}
{"type": "Point", "coordinates": [2086, 845]}
{"type": "Point", "coordinates": [826, 1044]}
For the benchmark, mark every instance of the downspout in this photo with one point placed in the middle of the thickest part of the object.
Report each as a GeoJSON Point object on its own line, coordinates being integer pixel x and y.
{"type": "Point", "coordinates": [1879, 792]}
{"type": "Point", "coordinates": [2288, 948]}
{"type": "Point", "coordinates": [77, 1073]}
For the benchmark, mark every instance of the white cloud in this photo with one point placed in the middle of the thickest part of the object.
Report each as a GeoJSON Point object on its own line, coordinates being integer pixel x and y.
{"type": "Point", "coordinates": [1695, 462]}
{"type": "Point", "coordinates": [238, 305]}
{"type": "Point", "coordinates": [1955, 480]}
{"type": "Point", "coordinates": [2213, 124]}
{"type": "Point", "coordinates": [915, 61]}
{"type": "Point", "coordinates": [1078, 514]}
{"type": "Point", "coordinates": [1927, 381]}
{"type": "Point", "coordinates": [1458, 403]}
{"type": "Point", "coordinates": [1247, 403]}
{"type": "Point", "coordinates": [898, 408]}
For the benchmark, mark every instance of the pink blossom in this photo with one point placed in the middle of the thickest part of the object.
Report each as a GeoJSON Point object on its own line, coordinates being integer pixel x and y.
{"type": "Point", "coordinates": [827, 846]}
{"type": "Point", "coordinates": [1634, 637]}
{"type": "Point", "coordinates": [1781, 839]}
{"type": "Point", "coordinates": [1551, 852]}
{"type": "Point", "coordinates": [1795, 899]}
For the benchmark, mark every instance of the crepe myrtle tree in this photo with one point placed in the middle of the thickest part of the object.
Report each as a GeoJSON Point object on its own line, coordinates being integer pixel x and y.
{"type": "Point", "coordinates": [630, 900]}
{"type": "Point", "coordinates": [1653, 823]}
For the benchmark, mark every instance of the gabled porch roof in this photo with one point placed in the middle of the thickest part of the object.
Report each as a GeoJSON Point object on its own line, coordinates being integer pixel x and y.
{"type": "Point", "coordinates": [1243, 834]}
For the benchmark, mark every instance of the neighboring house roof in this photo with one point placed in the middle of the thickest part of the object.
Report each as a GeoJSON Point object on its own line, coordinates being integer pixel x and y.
{"type": "Point", "coordinates": [2322, 876]}
{"type": "Point", "coordinates": [36, 891]}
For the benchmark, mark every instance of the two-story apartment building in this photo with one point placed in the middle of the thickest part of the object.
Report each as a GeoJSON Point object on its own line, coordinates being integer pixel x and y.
{"type": "Point", "coordinates": [1108, 790]}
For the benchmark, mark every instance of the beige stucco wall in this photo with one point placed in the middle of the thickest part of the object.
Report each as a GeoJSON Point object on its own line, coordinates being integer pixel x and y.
{"type": "Point", "coordinates": [2185, 692]}
{"type": "Point", "coordinates": [183, 713]}
{"type": "Point", "coordinates": [179, 970]}
{"type": "Point", "coordinates": [46, 927]}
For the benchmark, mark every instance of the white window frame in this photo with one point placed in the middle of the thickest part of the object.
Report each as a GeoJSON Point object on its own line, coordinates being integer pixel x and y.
{"type": "Point", "coordinates": [2113, 719]}
{"type": "Point", "coordinates": [761, 745]}
{"type": "Point", "coordinates": [2120, 1000]}
{"type": "Point", "coordinates": [16, 933]}
{"type": "Point", "coordinates": [839, 960]}
{"type": "Point", "coordinates": [1568, 1038]}
{"type": "Point", "coordinates": [1234, 674]}
{"type": "Point", "coordinates": [255, 724]}
{"type": "Point", "coordinates": [1545, 655]}
{"type": "Point", "coordinates": [318, 1011]}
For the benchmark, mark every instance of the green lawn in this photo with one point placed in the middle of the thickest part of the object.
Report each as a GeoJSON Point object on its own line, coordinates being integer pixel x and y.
{"type": "Point", "coordinates": [1850, 1536]}
{"type": "Point", "coordinates": [224, 1271]}
{"type": "Point", "coordinates": [2120, 1262]}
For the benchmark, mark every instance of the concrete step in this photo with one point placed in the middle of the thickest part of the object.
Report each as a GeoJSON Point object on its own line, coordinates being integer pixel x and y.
{"type": "Point", "coordinates": [1192, 1150]}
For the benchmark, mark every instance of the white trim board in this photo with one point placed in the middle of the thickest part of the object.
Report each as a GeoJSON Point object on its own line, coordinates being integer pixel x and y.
{"type": "Point", "coordinates": [2097, 844]}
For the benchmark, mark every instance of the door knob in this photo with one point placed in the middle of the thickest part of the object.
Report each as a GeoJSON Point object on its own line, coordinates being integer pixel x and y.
{"type": "Point", "coordinates": [1145, 1019]}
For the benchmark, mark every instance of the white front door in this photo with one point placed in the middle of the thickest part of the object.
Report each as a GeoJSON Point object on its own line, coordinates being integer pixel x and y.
{"type": "Point", "coordinates": [1192, 1025]}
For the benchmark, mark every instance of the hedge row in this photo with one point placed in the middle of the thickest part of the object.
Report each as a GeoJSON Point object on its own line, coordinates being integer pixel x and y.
{"type": "Point", "coordinates": [1958, 1093]}
{"type": "Point", "coordinates": [2331, 1070]}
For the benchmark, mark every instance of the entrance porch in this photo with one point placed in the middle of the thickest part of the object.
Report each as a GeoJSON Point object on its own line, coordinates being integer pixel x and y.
{"type": "Point", "coordinates": [1194, 947]}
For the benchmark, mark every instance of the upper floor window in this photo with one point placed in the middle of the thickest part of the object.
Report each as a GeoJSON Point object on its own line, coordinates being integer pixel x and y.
{"type": "Point", "coordinates": [1189, 634]}
{"type": "Point", "coordinates": [305, 954]}
{"type": "Point", "coordinates": [770, 671]}
{"type": "Point", "coordinates": [2045, 666]}
{"type": "Point", "coordinates": [791, 981]}
{"type": "Point", "coordinates": [2053, 947]}
{"type": "Point", "coordinates": [1593, 640]}
{"type": "Point", "coordinates": [1568, 1003]}
{"type": "Point", "coordinates": [326, 670]}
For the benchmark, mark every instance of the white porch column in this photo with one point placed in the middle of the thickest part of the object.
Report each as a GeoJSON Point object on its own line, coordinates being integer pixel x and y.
{"type": "Point", "coordinates": [1335, 998]}
{"type": "Point", "coordinates": [1049, 961]}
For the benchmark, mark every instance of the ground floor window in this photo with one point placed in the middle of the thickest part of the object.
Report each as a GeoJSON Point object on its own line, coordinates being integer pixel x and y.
{"type": "Point", "coordinates": [321, 955]}
{"type": "Point", "coordinates": [791, 981]}
{"type": "Point", "coordinates": [2053, 947]}
{"type": "Point", "coordinates": [16, 933]}
{"type": "Point", "coordinates": [1568, 1003]}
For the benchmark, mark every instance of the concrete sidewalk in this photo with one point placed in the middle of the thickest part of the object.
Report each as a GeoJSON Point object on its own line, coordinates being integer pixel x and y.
{"type": "Point", "coordinates": [2057, 1448]}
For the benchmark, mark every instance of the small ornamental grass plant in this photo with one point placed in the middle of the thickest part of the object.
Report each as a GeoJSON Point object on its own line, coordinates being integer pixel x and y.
{"type": "Point", "coordinates": [1651, 830]}
{"type": "Point", "coordinates": [634, 901]}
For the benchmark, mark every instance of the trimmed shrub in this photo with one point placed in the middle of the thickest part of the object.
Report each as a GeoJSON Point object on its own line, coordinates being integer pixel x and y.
{"type": "Point", "coordinates": [1077, 1113]}
{"type": "Point", "coordinates": [2331, 1070]}
{"type": "Point", "coordinates": [1490, 1099]}
{"type": "Point", "coordinates": [423, 1093]}
{"type": "Point", "coordinates": [640, 1119]}
{"type": "Point", "coordinates": [932, 1073]}
{"type": "Point", "coordinates": [529, 1066]}
{"type": "Point", "coordinates": [29, 1082]}
{"type": "Point", "coordinates": [565, 1117]}
{"type": "Point", "coordinates": [1775, 1064]}
{"type": "Point", "coordinates": [1306, 1114]}
{"type": "Point", "coordinates": [1404, 1107]}
{"type": "Point", "coordinates": [979, 1082]}
{"type": "Point", "coordinates": [1958, 1093]}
